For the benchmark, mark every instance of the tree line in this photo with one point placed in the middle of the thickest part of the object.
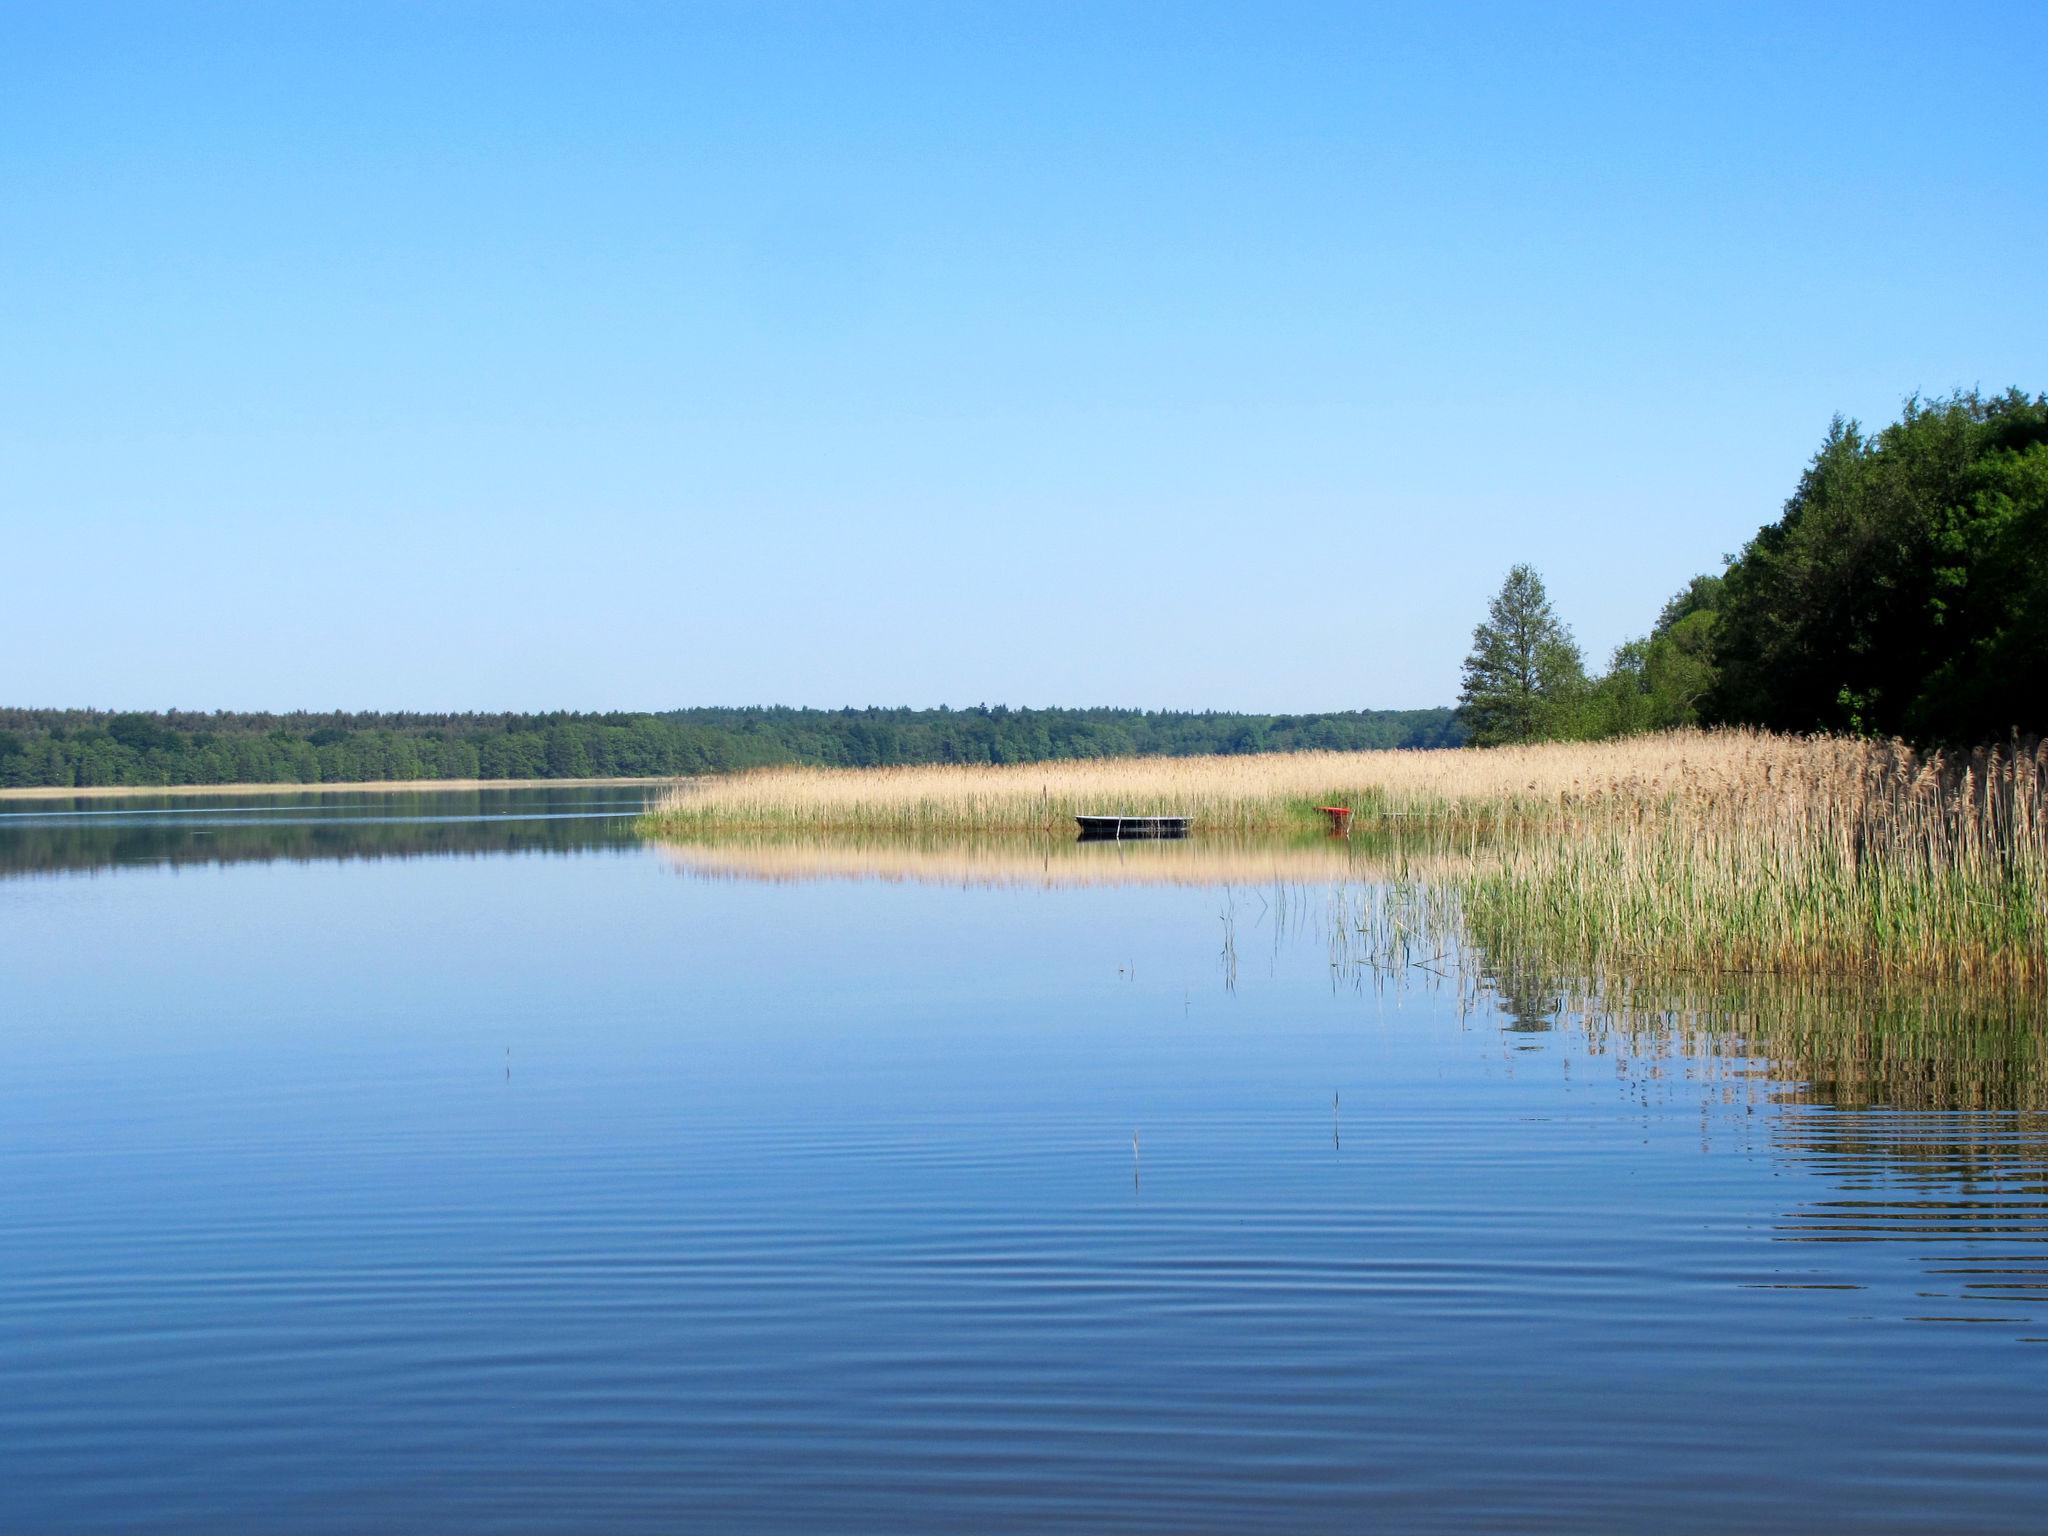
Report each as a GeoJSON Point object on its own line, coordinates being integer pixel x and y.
{"type": "Point", "coordinates": [1902, 592]}
{"type": "Point", "coordinates": [84, 747]}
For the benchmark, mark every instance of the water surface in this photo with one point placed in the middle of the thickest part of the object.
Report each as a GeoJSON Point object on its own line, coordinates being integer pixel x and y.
{"type": "Point", "coordinates": [461, 1164]}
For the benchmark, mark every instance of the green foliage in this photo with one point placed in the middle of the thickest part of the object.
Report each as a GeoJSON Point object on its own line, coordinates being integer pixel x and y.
{"type": "Point", "coordinates": [1656, 684]}
{"type": "Point", "coordinates": [1525, 679]}
{"type": "Point", "coordinates": [1904, 592]}
{"type": "Point", "coordinates": [1905, 589]}
{"type": "Point", "coordinates": [1678, 665]}
{"type": "Point", "coordinates": [92, 747]}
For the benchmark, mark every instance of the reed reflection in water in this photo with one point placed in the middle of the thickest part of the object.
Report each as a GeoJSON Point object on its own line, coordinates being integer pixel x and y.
{"type": "Point", "coordinates": [1014, 860]}
{"type": "Point", "coordinates": [1925, 1106]}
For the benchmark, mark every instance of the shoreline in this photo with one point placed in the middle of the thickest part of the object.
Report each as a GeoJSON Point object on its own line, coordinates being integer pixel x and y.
{"type": "Point", "coordinates": [364, 787]}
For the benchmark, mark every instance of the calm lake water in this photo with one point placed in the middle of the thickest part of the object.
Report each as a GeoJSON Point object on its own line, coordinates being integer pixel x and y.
{"type": "Point", "coordinates": [459, 1164]}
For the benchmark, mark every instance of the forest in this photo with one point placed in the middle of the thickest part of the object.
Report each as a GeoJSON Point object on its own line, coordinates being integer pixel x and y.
{"type": "Point", "coordinates": [1902, 592]}
{"type": "Point", "coordinates": [85, 747]}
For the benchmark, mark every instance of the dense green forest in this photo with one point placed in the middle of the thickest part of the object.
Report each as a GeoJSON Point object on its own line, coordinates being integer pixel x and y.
{"type": "Point", "coordinates": [96, 747]}
{"type": "Point", "coordinates": [1903, 591]}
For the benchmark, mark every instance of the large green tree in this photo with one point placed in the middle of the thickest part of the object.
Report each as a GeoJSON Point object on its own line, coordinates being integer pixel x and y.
{"type": "Point", "coordinates": [1905, 588]}
{"type": "Point", "coordinates": [1525, 679]}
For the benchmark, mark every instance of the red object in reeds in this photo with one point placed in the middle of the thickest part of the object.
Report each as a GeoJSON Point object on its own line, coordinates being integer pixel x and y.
{"type": "Point", "coordinates": [1340, 819]}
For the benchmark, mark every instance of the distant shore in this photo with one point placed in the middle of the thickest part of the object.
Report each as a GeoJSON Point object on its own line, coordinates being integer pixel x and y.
{"type": "Point", "coordinates": [370, 787]}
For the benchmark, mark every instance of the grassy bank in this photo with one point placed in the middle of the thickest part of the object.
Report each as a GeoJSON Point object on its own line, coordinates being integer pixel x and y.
{"type": "Point", "coordinates": [1727, 851]}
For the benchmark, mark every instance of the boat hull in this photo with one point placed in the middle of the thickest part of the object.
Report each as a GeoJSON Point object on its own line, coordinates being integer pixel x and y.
{"type": "Point", "coordinates": [1123, 828]}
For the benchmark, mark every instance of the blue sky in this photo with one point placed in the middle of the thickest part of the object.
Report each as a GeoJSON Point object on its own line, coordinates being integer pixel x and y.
{"type": "Point", "coordinates": [622, 356]}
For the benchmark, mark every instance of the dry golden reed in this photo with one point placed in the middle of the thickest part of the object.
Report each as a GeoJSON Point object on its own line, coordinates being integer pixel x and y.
{"type": "Point", "coordinates": [1257, 793]}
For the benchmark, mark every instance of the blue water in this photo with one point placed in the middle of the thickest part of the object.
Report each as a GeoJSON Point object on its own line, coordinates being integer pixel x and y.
{"type": "Point", "coordinates": [519, 1180]}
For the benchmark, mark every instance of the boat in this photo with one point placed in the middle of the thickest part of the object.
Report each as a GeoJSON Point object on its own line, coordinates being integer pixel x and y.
{"type": "Point", "coordinates": [1121, 827]}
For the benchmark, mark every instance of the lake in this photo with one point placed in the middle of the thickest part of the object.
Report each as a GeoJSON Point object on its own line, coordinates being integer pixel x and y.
{"type": "Point", "coordinates": [460, 1163]}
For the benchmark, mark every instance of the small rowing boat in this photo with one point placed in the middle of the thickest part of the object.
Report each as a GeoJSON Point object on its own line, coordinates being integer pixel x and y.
{"type": "Point", "coordinates": [1134, 826]}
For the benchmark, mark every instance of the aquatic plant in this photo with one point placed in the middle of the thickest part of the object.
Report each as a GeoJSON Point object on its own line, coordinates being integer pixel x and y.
{"type": "Point", "coordinates": [1828, 856]}
{"type": "Point", "coordinates": [1733, 851]}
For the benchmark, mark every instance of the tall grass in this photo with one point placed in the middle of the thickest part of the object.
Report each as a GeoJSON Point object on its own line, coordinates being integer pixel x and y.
{"type": "Point", "coordinates": [1820, 856]}
{"type": "Point", "coordinates": [1728, 851]}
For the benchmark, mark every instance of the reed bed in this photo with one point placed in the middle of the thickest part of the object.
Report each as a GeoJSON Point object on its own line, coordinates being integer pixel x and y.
{"type": "Point", "coordinates": [1262, 793]}
{"type": "Point", "coordinates": [1824, 856]}
{"type": "Point", "coordinates": [1734, 851]}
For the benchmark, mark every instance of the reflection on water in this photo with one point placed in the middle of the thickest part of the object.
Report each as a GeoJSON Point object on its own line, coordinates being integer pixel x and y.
{"type": "Point", "coordinates": [1037, 861]}
{"type": "Point", "coordinates": [47, 836]}
{"type": "Point", "coordinates": [1163, 1188]}
{"type": "Point", "coordinates": [1922, 1109]}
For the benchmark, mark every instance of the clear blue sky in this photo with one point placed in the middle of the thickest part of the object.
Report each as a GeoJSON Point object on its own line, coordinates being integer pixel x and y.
{"type": "Point", "coordinates": [623, 356]}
